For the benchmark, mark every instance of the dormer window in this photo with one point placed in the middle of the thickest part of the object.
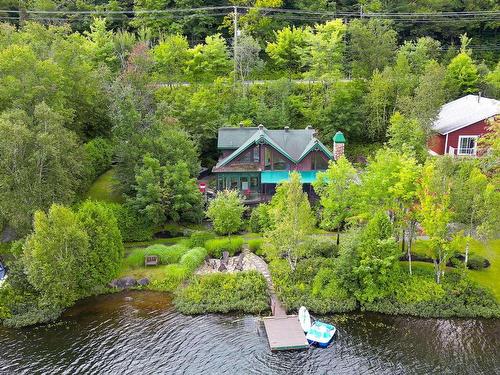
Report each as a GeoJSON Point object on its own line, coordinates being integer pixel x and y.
{"type": "Point", "coordinates": [318, 162]}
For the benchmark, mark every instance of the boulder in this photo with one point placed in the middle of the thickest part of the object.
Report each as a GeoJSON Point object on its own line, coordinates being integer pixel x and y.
{"type": "Point", "coordinates": [143, 282]}
{"type": "Point", "coordinates": [123, 283]}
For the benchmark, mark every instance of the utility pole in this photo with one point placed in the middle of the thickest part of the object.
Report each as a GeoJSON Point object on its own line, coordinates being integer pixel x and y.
{"type": "Point", "coordinates": [22, 13]}
{"type": "Point", "coordinates": [235, 41]}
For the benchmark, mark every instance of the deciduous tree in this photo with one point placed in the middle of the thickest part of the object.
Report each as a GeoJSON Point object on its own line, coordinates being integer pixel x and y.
{"type": "Point", "coordinates": [292, 218]}
{"type": "Point", "coordinates": [226, 212]}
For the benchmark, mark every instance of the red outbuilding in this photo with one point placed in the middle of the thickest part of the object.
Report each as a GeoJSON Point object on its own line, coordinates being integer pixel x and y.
{"type": "Point", "coordinates": [460, 123]}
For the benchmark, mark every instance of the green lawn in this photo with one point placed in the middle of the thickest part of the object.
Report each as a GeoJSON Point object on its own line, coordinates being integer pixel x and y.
{"type": "Point", "coordinates": [102, 189]}
{"type": "Point", "coordinates": [489, 277]}
{"type": "Point", "coordinates": [152, 272]}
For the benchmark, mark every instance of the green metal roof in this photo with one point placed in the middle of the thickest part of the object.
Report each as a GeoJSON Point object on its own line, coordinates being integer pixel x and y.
{"type": "Point", "coordinates": [275, 177]}
{"type": "Point", "coordinates": [339, 137]}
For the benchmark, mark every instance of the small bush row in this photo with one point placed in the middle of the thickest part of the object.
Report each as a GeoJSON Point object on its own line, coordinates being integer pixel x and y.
{"type": "Point", "coordinates": [217, 246]}
{"type": "Point", "coordinates": [193, 258]}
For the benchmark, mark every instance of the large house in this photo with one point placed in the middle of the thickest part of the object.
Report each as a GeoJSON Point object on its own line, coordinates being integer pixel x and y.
{"type": "Point", "coordinates": [460, 123]}
{"type": "Point", "coordinates": [255, 159]}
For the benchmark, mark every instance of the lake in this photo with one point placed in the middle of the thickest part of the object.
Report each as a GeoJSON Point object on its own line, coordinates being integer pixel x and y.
{"type": "Point", "coordinates": [141, 333]}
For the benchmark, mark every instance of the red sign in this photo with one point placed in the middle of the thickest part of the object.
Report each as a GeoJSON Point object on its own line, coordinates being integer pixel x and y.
{"type": "Point", "coordinates": [202, 187]}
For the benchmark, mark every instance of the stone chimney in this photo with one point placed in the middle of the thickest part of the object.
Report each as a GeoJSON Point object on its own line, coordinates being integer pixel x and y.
{"type": "Point", "coordinates": [338, 145]}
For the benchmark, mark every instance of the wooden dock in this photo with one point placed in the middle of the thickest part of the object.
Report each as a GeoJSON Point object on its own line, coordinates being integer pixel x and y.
{"type": "Point", "coordinates": [284, 332]}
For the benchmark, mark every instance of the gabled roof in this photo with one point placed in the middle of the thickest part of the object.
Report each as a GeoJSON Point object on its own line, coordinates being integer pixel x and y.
{"type": "Point", "coordinates": [465, 111]}
{"type": "Point", "coordinates": [294, 144]}
{"type": "Point", "coordinates": [311, 146]}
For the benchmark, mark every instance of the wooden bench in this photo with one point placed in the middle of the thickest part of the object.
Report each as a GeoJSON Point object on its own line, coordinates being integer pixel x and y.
{"type": "Point", "coordinates": [151, 260]}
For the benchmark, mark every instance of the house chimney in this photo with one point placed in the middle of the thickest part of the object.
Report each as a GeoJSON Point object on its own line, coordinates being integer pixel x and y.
{"type": "Point", "coordinates": [261, 127]}
{"type": "Point", "coordinates": [338, 145]}
{"type": "Point", "coordinates": [241, 124]}
{"type": "Point", "coordinates": [287, 128]}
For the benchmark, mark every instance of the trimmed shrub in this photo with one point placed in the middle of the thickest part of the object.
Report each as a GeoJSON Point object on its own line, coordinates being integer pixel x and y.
{"type": "Point", "coordinates": [255, 245]}
{"type": "Point", "coordinates": [477, 262]}
{"type": "Point", "coordinates": [243, 292]}
{"type": "Point", "coordinates": [217, 246]}
{"type": "Point", "coordinates": [198, 238]}
{"type": "Point", "coordinates": [193, 258]}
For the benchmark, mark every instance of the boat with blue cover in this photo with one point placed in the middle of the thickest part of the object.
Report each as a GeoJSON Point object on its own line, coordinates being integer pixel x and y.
{"type": "Point", "coordinates": [321, 334]}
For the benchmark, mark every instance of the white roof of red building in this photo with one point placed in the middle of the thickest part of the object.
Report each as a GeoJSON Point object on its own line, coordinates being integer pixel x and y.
{"type": "Point", "coordinates": [465, 111]}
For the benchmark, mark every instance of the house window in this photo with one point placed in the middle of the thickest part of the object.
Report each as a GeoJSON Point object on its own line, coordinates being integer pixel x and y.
{"type": "Point", "coordinates": [279, 164]}
{"type": "Point", "coordinates": [267, 159]}
{"type": "Point", "coordinates": [220, 183]}
{"type": "Point", "coordinates": [234, 183]}
{"type": "Point", "coordinates": [256, 154]}
{"type": "Point", "coordinates": [254, 183]}
{"type": "Point", "coordinates": [318, 162]}
{"type": "Point", "coordinates": [244, 183]}
{"type": "Point", "coordinates": [467, 145]}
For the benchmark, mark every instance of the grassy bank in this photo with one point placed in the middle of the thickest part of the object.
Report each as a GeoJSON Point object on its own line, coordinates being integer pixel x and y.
{"type": "Point", "coordinates": [488, 277]}
{"type": "Point", "coordinates": [102, 189]}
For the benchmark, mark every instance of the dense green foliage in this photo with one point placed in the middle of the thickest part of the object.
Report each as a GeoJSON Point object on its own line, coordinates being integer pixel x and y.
{"type": "Point", "coordinates": [147, 94]}
{"type": "Point", "coordinates": [226, 212]}
{"type": "Point", "coordinates": [69, 255]}
{"type": "Point", "coordinates": [166, 193]}
{"type": "Point", "coordinates": [240, 292]}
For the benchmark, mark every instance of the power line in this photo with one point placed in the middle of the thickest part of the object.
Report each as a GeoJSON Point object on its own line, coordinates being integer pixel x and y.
{"type": "Point", "coordinates": [273, 10]}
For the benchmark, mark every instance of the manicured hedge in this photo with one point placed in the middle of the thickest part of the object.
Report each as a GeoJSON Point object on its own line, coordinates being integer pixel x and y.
{"type": "Point", "coordinates": [217, 246]}
{"type": "Point", "coordinates": [193, 258]}
{"type": "Point", "coordinates": [241, 292]}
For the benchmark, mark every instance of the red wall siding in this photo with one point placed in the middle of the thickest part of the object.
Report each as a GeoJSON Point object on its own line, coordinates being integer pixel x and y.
{"type": "Point", "coordinates": [436, 143]}
{"type": "Point", "coordinates": [479, 128]}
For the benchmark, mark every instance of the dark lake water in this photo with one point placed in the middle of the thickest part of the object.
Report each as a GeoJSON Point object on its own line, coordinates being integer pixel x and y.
{"type": "Point", "coordinates": [144, 335]}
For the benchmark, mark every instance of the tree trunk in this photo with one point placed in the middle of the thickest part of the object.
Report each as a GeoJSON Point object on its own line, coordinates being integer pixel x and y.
{"type": "Point", "coordinates": [466, 253]}
{"type": "Point", "coordinates": [408, 247]}
{"type": "Point", "coordinates": [437, 271]}
{"type": "Point", "coordinates": [403, 241]}
{"type": "Point", "coordinates": [338, 237]}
